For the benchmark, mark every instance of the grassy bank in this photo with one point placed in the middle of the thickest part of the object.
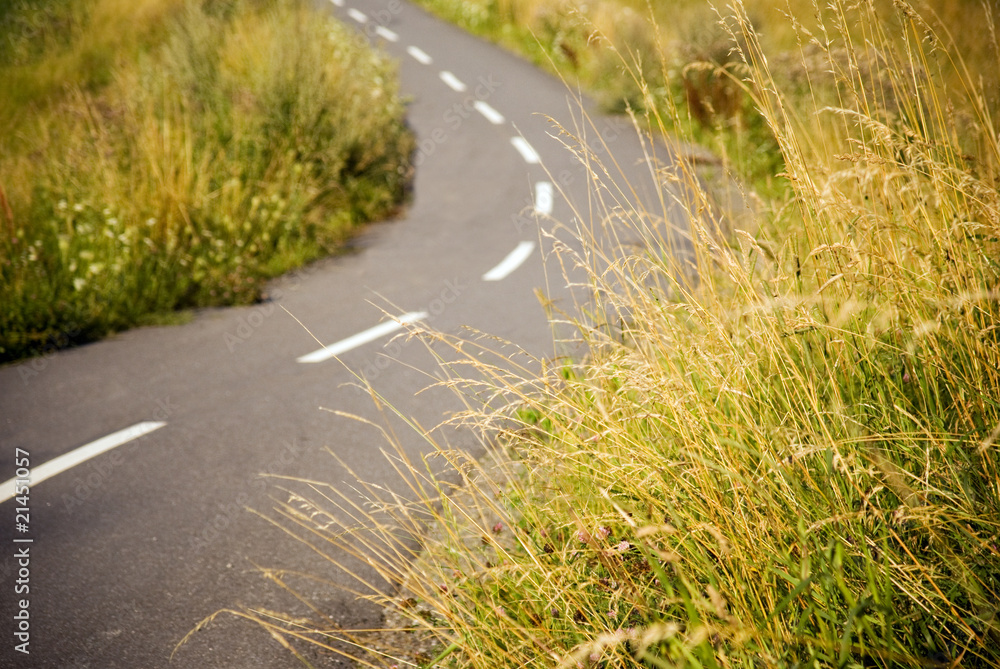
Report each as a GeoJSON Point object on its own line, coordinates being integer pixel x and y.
{"type": "Point", "coordinates": [676, 59]}
{"type": "Point", "coordinates": [791, 462]}
{"type": "Point", "coordinates": [182, 161]}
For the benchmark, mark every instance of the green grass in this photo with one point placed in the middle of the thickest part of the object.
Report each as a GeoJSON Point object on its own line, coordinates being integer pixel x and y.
{"type": "Point", "coordinates": [47, 44]}
{"type": "Point", "coordinates": [791, 462]}
{"type": "Point", "coordinates": [231, 143]}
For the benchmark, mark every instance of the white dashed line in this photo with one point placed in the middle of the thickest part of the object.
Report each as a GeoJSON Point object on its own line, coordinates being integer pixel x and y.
{"type": "Point", "coordinates": [454, 83]}
{"type": "Point", "coordinates": [543, 198]}
{"type": "Point", "coordinates": [80, 455]}
{"type": "Point", "coordinates": [339, 3]}
{"type": "Point", "coordinates": [513, 260]}
{"type": "Point", "coordinates": [358, 16]}
{"type": "Point", "coordinates": [382, 31]}
{"type": "Point", "coordinates": [491, 114]}
{"type": "Point", "coordinates": [419, 55]}
{"type": "Point", "coordinates": [526, 150]}
{"type": "Point", "coordinates": [371, 334]}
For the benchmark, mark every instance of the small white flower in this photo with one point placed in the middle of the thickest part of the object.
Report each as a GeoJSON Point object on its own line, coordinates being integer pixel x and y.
{"type": "Point", "coordinates": [61, 205]}
{"type": "Point", "coordinates": [79, 283]}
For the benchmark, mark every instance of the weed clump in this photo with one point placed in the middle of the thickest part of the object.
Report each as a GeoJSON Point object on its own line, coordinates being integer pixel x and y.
{"type": "Point", "coordinates": [244, 140]}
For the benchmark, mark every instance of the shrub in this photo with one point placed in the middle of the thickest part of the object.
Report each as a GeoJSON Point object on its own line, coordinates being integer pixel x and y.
{"type": "Point", "coordinates": [251, 140]}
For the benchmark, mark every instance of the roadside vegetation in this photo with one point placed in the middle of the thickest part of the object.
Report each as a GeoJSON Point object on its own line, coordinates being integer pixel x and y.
{"type": "Point", "coordinates": [780, 451]}
{"type": "Point", "coordinates": [675, 59]}
{"type": "Point", "coordinates": [166, 154]}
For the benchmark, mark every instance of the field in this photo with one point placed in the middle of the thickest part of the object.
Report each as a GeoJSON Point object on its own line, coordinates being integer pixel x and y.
{"type": "Point", "coordinates": [162, 155]}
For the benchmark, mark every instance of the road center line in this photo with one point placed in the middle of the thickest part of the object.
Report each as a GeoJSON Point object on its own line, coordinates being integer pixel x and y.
{"type": "Point", "coordinates": [491, 114]}
{"type": "Point", "coordinates": [80, 455]}
{"type": "Point", "coordinates": [419, 55]}
{"type": "Point", "coordinates": [339, 3]}
{"type": "Point", "coordinates": [526, 150]}
{"type": "Point", "coordinates": [513, 260]}
{"type": "Point", "coordinates": [453, 82]}
{"type": "Point", "coordinates": [357, 15]}
{"type": "Point", "coordinates": [382, 31]}
{"type": "Point", "coordinates": [543, 198]}
{"type": "Point", "coordinates": [371, 334]}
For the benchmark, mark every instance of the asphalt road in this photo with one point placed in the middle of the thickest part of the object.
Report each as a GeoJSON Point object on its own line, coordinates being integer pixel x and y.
{"type": "Point", "coordinates": [131, 548]}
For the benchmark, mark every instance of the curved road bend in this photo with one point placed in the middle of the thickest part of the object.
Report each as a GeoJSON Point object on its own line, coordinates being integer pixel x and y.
{"type": "Point", "coordinates": [130, 548]}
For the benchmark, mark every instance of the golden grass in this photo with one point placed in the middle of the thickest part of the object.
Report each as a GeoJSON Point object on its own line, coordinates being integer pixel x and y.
{"type": "Point", "coordinates": [80, 44]}
{"type": "Point", "coordinates": [789, 461]}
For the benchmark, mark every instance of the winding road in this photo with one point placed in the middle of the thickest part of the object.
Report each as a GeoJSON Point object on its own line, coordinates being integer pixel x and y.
{"type": "Point", "coordinates": [146, 448]}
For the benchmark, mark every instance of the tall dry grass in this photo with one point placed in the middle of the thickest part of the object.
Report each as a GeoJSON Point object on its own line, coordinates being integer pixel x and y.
{"type": "Point", "coordinates": [789, 462]}
{"type": "Point", "coordinates": [677, 59]}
